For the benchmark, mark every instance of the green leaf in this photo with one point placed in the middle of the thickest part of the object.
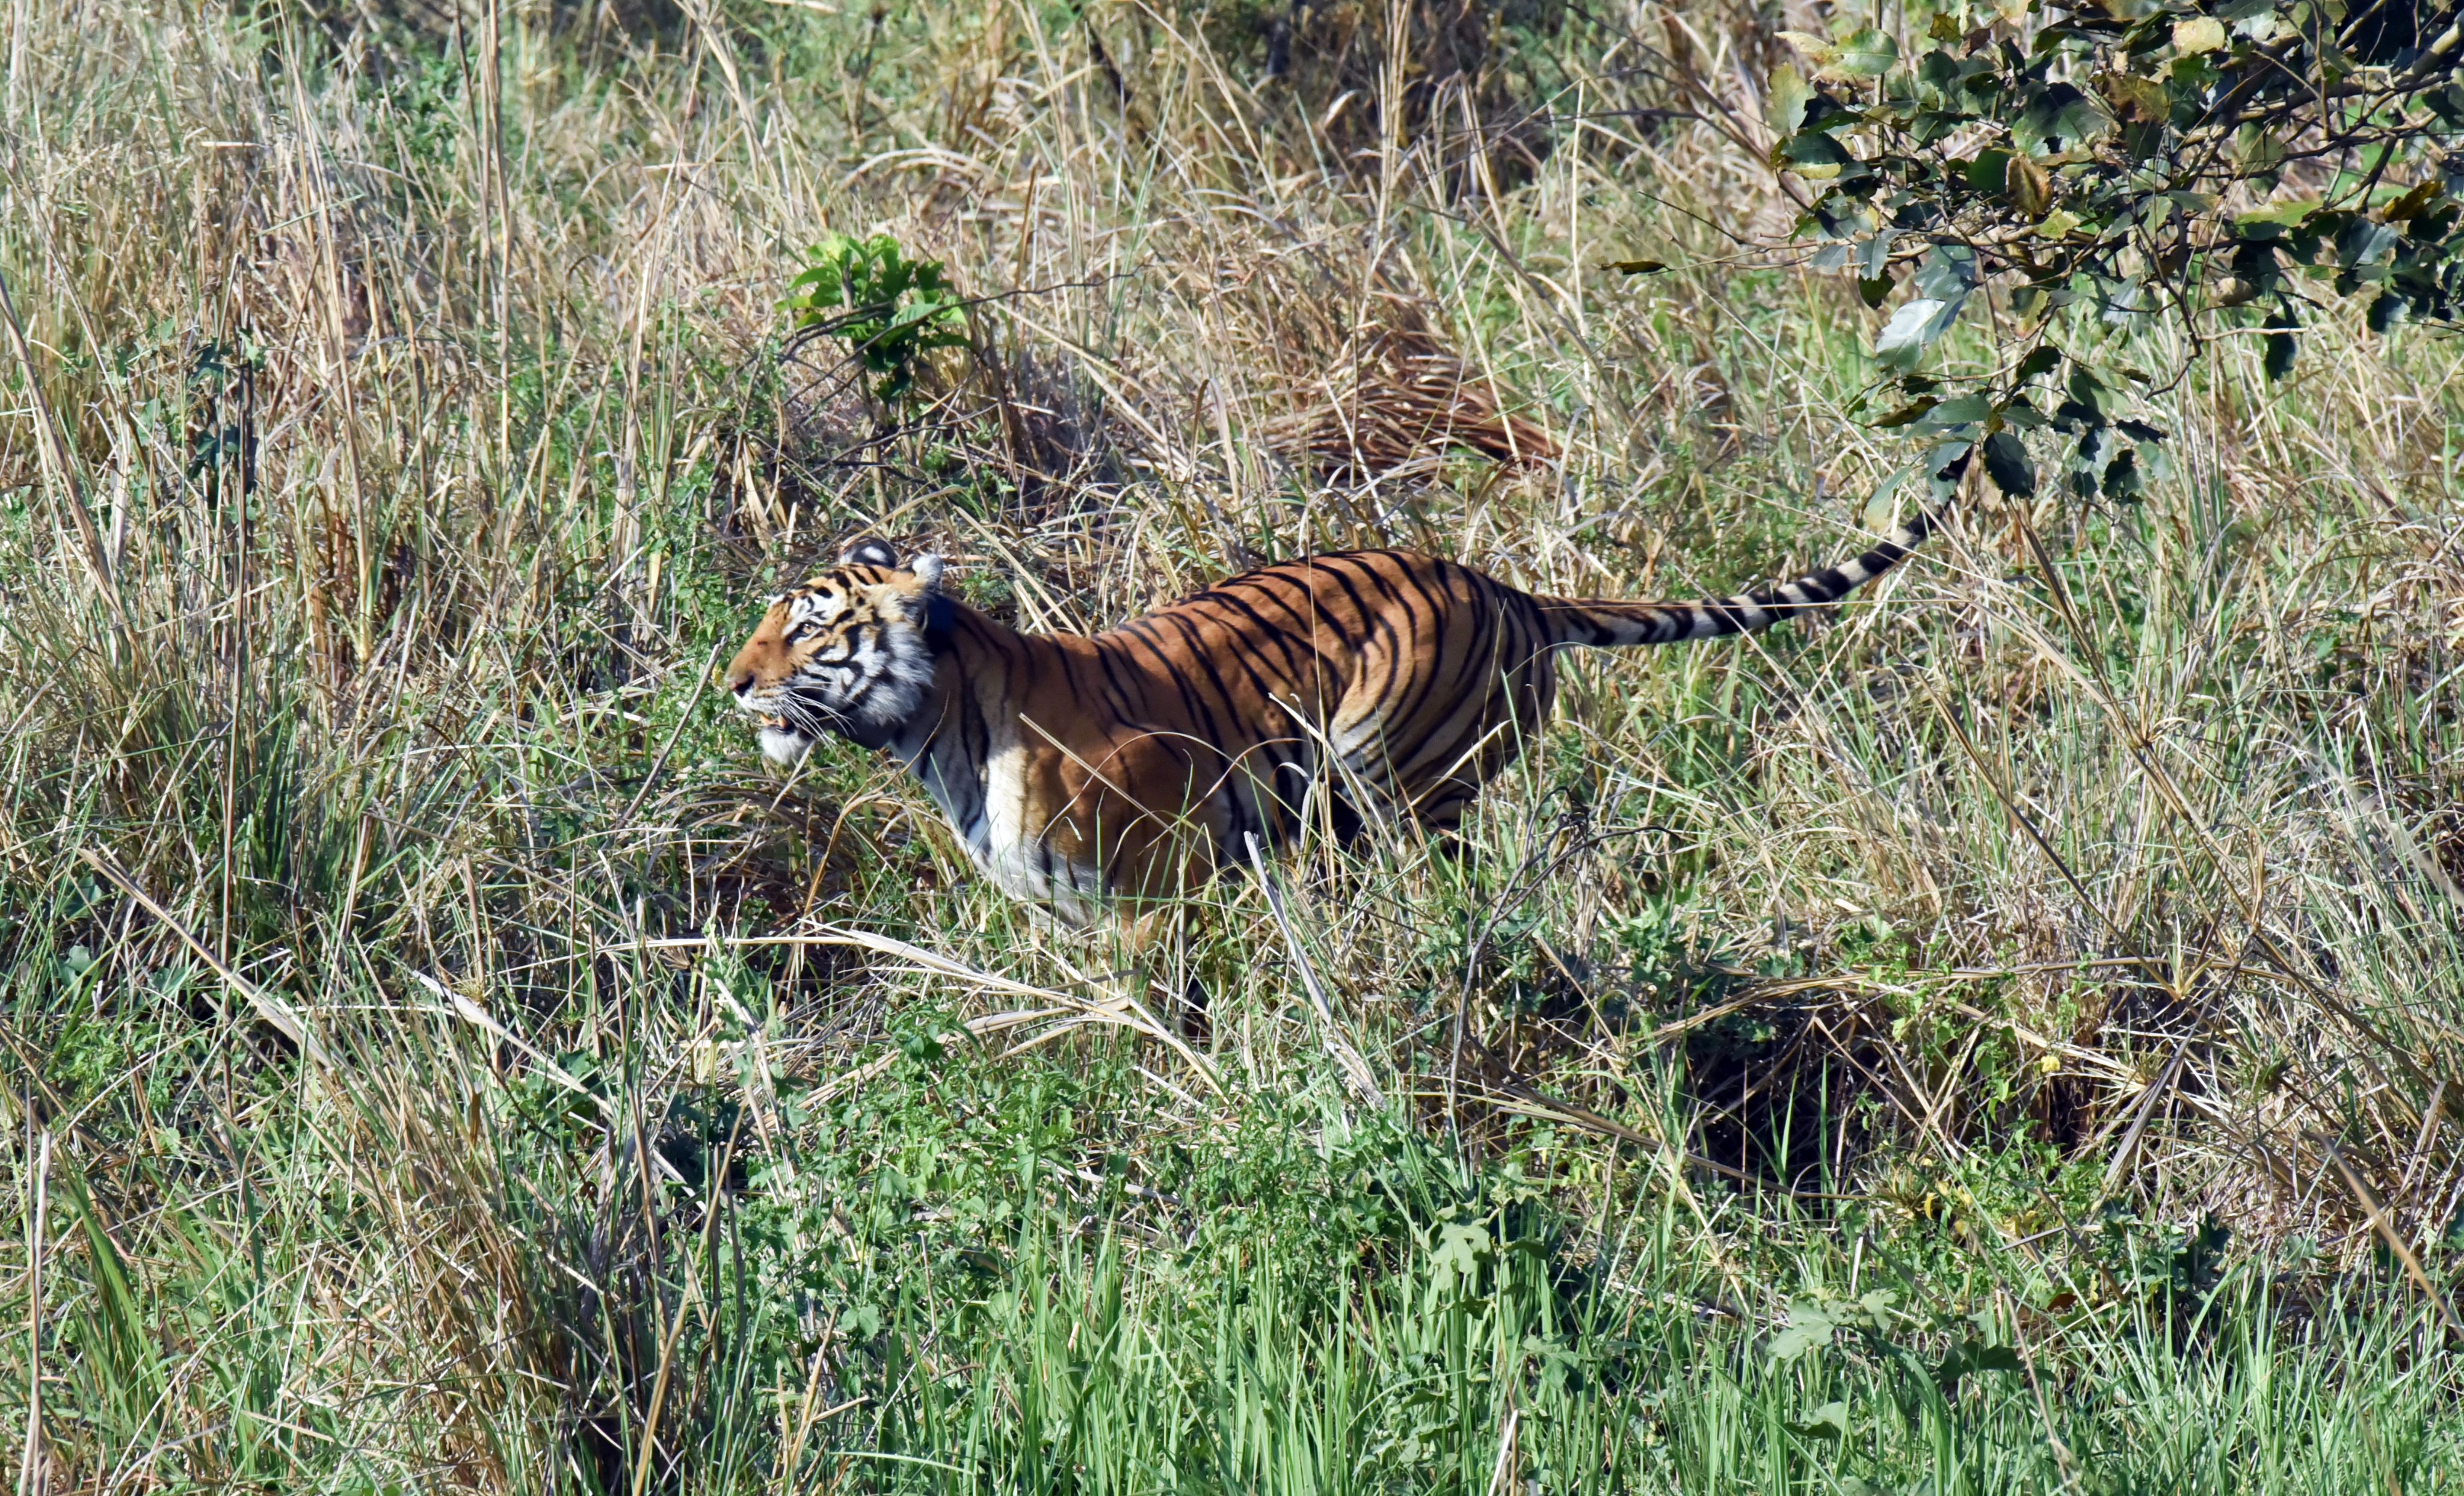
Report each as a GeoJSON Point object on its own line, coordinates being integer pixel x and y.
{"type": "Point", "coordinates": [1948, 272]}
{"type": "Point", "coordinates": [1945, 466]}
{"type": "Point", "coordinates": [1813, 148]}
{"type": "Point", "coordinates": [1816, 50]}
{"type": "Point", "coordinates": [1784, 102]}
{"type": "Point", "coordinates": [2257, 150]}
{"type": "Point", "coordinates": [1913, 328]}
{"type": "Point", "coordinates": [1867, 53]}
{"type": "Point", "coordinates": [2057, 223]}
{"type": "Point", "coordinates": [1463, 1249]}
{"type": "Point", "coordinates": [1908, 412]}
{"type": "Point", "coordinates": [2412, 203]}
{"type": "Point", "coordinates": [2278, 361]}
{"type": "Point", "coordinates": [2276, 217]}
{"type": "Point", "coordinates": [2007, 464]}
{"type": "Point", "coordinates": [1812, 1334]}
{"type": "Point", "coordinates": [1970, 1357]}
{"type": "Point", "coordinates": [2041, 360]}
{"type": "Point", "coordinates": [2135, 100]}
{"type": "Point", "coordinates": [1828, 1422]}
{"type": "Point", "coordinates": [2123, 479]}
{"type": "Point", "coordinates": [2060, 116]}
{"type": "Point", "coordinates": [1965, 411]}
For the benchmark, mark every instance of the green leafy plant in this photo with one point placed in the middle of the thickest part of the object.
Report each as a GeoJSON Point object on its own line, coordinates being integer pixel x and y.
{"type": "Point", "coordinates": [890, 310]}
{"type": "Point", "coordinates": [2207, 163]}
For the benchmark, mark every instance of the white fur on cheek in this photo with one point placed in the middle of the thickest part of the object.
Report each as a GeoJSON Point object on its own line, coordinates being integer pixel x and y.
{"type": "Point", "coordinates": [785, 749]}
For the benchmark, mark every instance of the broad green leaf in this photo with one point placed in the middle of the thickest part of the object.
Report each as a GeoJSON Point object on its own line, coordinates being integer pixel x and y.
{"type": "Point", "coordinates": [1784, 105]}
{"type": "Point", "coordinates": [2276, 215]}
{"type": "Point", "coordinates": [1948, 272]}
{"type": "Point", "coordinates": [1970, 1357]}
{"type": "Point", "coordinates": [1913, 328]}
{"type": "Point", "coordinates": [2062, 117]}
{"type": "Point", "coordinates": [2257, 150]}
{"type": "Point", "coordinates": [1867, 53]}
{"type": "Point", "coordinates": [2007, 464]}
{"type": "Point", "coordinates": [1828, 1422]}
{"type": "Point", "coordinates": [2278, 361]}
{"type": "Point", "coordinates": [1809, 1328]}
{"type": "Point", "coordinates": [2411, 204]}
{"type": "Point", "coordinates": [1816, 50]}
{"type": "Point", "coordinates": [1965, 410]}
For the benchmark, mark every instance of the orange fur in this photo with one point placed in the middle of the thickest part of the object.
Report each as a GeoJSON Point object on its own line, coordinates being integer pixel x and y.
{"type": "Point", "coordinates": [1133, 764]}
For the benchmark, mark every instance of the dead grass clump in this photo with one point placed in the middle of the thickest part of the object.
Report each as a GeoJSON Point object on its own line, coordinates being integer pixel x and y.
{"type": "Point", "coordinates": [1392, 404]}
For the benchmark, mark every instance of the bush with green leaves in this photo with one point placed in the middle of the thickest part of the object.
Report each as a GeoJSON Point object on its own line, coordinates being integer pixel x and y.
{"type": "Point", "coordinates": [889, 309]}
{"type": "Point", "coordinates": [2208, 163]}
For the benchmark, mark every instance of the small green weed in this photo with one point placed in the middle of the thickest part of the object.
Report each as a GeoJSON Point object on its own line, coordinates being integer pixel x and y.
{"type": "Point", "coordinates": [890, 310]}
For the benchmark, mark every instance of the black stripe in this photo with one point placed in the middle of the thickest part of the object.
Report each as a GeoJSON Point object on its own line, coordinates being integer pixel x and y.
{"type": "Point", "coordinates": [1204, 659]}
{"type": "Point", "coordinates": [1261, 631]}
{"type": "Point", "coordinates": [1401, 656]}
{"type": "Point", "coordinates": [1441, 666]}
{"type": "Point", "coordinates": [1367, 619]}
{"type": "Point", "coordinates": [1487, 683]}
{"type": "Point", "coordinates": [1242, 653]}
{"type": "Point", "coordinates": [1191, 710]}
{"type": "Point", "coordinates": [1316, 617]}
{"type": "Point", "coordinates": [1124, 701]}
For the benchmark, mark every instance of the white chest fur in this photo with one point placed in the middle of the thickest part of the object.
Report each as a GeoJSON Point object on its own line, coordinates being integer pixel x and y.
{"type": "Point", "coordinates": [986, 803]}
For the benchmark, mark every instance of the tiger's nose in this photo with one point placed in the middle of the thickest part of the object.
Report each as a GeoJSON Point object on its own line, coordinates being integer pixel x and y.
{"type": "Point", "coordinates": [740, 681]}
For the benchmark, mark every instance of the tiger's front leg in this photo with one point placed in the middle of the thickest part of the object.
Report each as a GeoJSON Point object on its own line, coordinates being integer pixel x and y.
{"type": "Point", "coordinates": [1148, 811]}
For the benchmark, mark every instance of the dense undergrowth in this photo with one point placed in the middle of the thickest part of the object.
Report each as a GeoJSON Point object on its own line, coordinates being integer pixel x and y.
{"type": "Point", "coordinates": [2002, 1040]}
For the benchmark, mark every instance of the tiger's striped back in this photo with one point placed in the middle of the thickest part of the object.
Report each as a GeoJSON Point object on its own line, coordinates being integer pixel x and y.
{"type": "Point", "coordinates": [1385, 675]}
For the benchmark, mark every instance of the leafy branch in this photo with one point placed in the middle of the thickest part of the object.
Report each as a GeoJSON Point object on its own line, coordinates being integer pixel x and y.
{"type": "Point", "coordinates": [2113, 165]}
{"type": "Point", "coordinates": [889, 309]}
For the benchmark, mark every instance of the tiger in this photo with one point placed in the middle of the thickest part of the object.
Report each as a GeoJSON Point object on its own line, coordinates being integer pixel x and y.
{"type": "Point", "coordinates": [1083, 773]}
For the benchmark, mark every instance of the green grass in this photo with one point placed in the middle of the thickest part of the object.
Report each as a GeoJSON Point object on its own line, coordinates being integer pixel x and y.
{"type": "Point", "coordinates": [2006, 1041]}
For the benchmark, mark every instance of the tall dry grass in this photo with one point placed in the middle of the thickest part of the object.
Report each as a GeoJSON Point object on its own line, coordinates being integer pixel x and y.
{"type": "Point", "coordinates": [399, 426]}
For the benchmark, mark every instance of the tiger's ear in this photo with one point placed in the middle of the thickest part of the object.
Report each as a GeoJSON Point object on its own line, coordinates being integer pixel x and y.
{"type": "Point", "coordinates": [869, 551]}
{"type": "Point", "coordinates": [928, 567]}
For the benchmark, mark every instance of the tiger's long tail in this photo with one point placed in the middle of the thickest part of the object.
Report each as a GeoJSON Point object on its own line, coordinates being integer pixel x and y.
{"type": "Point", "coordinates": [1601, 623]}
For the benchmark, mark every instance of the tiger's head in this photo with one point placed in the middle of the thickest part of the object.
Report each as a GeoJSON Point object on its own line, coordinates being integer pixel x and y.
{"type": "Point", "coordinates": [849, 652]}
